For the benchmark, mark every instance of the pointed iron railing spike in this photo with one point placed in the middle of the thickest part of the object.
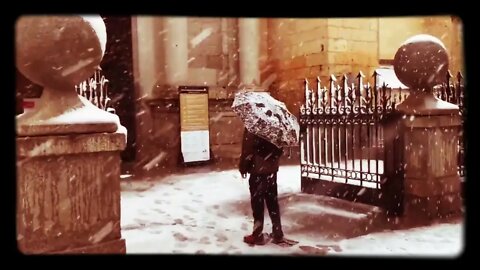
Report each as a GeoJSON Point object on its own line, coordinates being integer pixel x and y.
{"type": "Point", "coordinates": [358, 90]}
{"type": "Point", "coordinates": [319, 91]}
{"type": "Point", "coordinates": [360, 74]}
{"type": "Point", "coordinates": [307, 94]}
{"type": "Point", "coordinates": [351, 96]}
{"type": "Point", "coordinates": [443, 93]}
{"type": "Point", "coordinates": [342, 91]}
{"type": "Point", "coordinates": [345, 80]}
{"type": "Point", "coordinates": [449, 74]}
{"type": "Point", "coordinates": [326, 95]}
{"type": "Point", "coordinates": [448, 93]}
{"type": "Point", "coordinates": [332, 78]}
{"type": "Point", "coordinates": [322, 98]}
{"type": "Point", "coordinates": [314, 100]}
{"type": "Point", "coordinates": [375, 81]}
{"type": "Point", "coordinates": [384, 92]}
{"type": "Point", "coordinates": [367, 89]}
{"type": "Point", "coordinates": [333, 94]}
{"type": "Point", "coordinates": [459, 75]}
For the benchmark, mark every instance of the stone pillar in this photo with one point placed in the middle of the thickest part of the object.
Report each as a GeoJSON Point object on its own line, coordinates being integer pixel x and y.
{"type": "Point", "coordinates": [143, 47]}
{"type": "Point", "coordinates": [429, 131]}
{"type": "Point", "coordinates": [68, 150]}
{"type": "Point", "coordinates": [176, 51]}
{"type": "Point", "coordinates": [164, 104]}
{"type": "Point", "coordinates": [249, 43]}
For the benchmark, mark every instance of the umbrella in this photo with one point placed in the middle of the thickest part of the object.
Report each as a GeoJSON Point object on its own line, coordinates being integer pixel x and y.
{"type": "Point", "coordinates": [267, 117]}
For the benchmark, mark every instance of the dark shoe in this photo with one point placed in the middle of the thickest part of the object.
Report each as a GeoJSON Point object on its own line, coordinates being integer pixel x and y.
{"type": "Point", "coordinates": [282, 241]}
{"type": "Point", "coordinates": [254, 240]}
{"type": "Point", "coordinates": [276, 238]}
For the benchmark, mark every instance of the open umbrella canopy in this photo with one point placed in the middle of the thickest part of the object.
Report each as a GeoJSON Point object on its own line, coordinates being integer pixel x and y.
{"type": "Point", "coordinates": [267, 117]}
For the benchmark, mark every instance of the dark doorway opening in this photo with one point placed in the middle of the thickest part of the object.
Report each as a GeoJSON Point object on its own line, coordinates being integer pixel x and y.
{"type": "Point", "coordinates": [117, 66]}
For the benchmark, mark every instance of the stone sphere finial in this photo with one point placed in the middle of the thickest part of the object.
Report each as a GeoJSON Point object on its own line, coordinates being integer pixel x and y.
{"type": "Point", "coordinates": [58, 52]}
{"type": "Point", "coordinates": [421, 62]}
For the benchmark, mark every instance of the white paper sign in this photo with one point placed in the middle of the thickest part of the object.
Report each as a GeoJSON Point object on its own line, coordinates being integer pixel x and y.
{"type": "Point", "coordinates": [195, 145]}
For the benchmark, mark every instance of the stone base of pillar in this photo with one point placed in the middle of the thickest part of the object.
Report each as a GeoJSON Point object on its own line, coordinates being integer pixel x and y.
{"type": "Point", "coordinates": [432, 185]}
{"type": "Point", "coordinates": [112, 247]}
{"type": "Point", "coordinates": [68, 193]}
{"type": "Point", "coordinates": [433, 207]}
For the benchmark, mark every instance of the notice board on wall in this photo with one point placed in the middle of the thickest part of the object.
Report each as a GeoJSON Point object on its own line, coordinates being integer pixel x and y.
{"type": "Point", "coordinates": [194, 124]}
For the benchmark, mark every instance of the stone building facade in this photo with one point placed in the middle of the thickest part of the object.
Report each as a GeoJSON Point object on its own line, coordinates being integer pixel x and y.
{"type": "Point", "coordinates": [267, 54]}
{"type": "Point", "coordinates": [274, 54]}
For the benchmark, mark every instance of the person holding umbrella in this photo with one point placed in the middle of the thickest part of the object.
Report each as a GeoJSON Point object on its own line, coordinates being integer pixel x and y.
{"type": "Point", "coordinates": [269, 127]}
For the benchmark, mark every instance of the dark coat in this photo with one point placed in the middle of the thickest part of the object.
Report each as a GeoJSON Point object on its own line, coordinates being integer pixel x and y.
{"type": "Point", "coordinates": [259, 156]}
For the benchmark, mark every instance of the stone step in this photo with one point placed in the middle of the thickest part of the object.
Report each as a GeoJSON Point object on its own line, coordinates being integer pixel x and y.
{"type": "Point", "coordinates": [331, 217]}
{"type": "Point", "coordinates": [332, 202]}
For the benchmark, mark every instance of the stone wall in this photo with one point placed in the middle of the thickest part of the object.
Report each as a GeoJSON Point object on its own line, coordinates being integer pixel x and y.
{"type": "Point", "coordinates": [307, 48]}
{"type": "Point", "coordinates": [297, 51]}
{"type": "Point", "coordinates": [352, 46]}
{"type": "Point", "coordinates": [213, 61]}
{"type": "Point", "coordinates": [448, 30]}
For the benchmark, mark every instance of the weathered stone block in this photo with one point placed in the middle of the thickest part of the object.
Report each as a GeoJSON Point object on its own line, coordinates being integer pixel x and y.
{"type": "Point", "coordinates": [68, 193]}
{"type": "Point", "coordinates": [337, 45]}
{"type": "Point", "coordinates": [432, 185]}
{"type": "Point", "coordinates": [225, 128]}
{"type": "Point", "coordinates": [316, 59]}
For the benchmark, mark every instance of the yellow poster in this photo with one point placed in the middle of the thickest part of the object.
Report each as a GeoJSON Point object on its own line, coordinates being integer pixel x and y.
{"type": "Point", "coordinates": [193, 111]}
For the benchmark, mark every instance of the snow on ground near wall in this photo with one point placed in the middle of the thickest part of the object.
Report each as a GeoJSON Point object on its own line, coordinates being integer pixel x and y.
{"type": "Point", "coordinates": [187, 214]}
{"type": "Point", "coordinates": [445, 240]}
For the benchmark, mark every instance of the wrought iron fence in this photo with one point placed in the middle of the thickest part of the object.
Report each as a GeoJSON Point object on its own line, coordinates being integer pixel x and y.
{"type": "Point", "coordinates": [342, 140]}
{"type": "Point", "coordinates": [95, 89]}
{"type": "Point", "coordinates": [342, 136]}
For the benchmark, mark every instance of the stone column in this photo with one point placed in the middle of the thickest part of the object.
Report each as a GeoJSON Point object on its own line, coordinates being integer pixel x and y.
{"type": "Point", "coordinates": [249, 52]}
{"type": "Point", "coordinates": [176, 51]}
{"type": "Point", "coordinates": [429, 129]}
{"type": "Point", "coordinates": [68, 150]}
{"type": "Point", "coordinates": [164, 105]}
{"type": "Point", "coordinates": [143, 48]}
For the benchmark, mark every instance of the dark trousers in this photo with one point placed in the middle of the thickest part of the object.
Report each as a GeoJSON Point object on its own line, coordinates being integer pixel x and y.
{"type": "Point", "coordinates": [263, 190]}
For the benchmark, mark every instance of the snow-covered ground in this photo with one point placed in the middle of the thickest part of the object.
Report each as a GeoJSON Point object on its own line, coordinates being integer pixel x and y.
{"type": "Point", "coordinates": [209, 213]}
